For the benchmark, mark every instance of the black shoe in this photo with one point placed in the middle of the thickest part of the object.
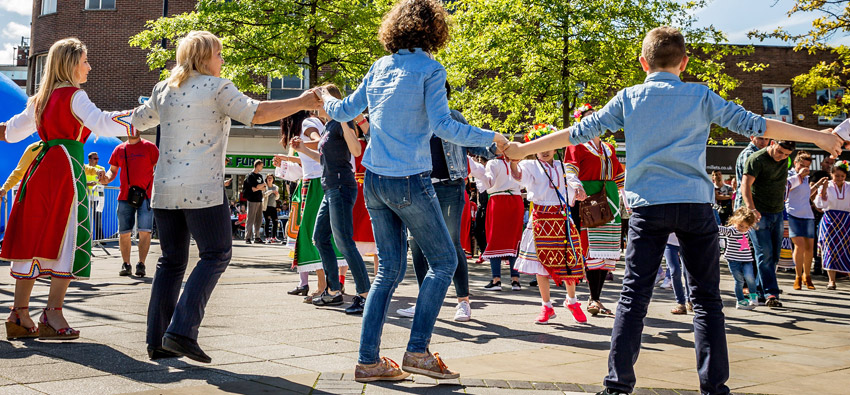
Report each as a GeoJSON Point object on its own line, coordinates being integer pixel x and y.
{"type": "Point", "coordinates": [493, 286]}
{"type": "Point", "coordinates": [328, 300]}
{"type": "Point", "coordinates": [356, 305]}
{"type": "Point", "coordinates": [184, 346]}
{"type": "Point", "coordinates": [773, 302]}
{"type": "Point", "coordinates": [532, 283]}
{"type": "Point", "coordinates": [761, 301]}
{"type": "Point", "coordinates": [300, 290]}
{"type": "Point", "coordinates": [259, 241]}
{"type": "Point", "coordinates": [247, 241]}
{"type": "Point", "coordinates": [609, 391]}
{"type": "Point", "coordinates": [126, 269]}
{"type": "Point", "coordinates": [140, 269]}
{"type": "Point", "coordinates": [515, 286]}
{"type": "Point", "coordinates": [159, 353]}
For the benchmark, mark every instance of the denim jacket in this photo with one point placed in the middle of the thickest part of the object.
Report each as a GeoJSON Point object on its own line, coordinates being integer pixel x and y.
{"type": "Point", "coordinates": [406, 96]}
{"type": "Point", "coordinates": [456, 155]}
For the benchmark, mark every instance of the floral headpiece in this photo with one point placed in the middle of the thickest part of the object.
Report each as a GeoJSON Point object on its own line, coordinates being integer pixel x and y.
{"type": "Point", "coordinates": [843, 164]}
{"type": "Point", "coordinates": [538, 131]}
{"type": "Point", "coordinates": [581, 110]}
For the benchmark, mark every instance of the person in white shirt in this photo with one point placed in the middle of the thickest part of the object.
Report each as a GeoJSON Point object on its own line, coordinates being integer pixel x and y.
{"type": "Point", "coordinates": [833, 200]}
{"type": "Point", "coordinates": [801, 219]}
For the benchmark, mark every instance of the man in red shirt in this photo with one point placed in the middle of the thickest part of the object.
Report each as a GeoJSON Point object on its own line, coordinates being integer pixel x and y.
{"type": "Point", "coordinates": [136, 158]}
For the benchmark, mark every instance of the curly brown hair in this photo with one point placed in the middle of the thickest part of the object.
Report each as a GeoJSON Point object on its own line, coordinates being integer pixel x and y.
{"type": "Point", "coordinates": [415, 24]}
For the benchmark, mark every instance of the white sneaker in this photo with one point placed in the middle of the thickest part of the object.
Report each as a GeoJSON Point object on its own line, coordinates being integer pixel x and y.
{"type": "Point", "coordinates": [666, 284]}
{"type": "Point", "coordinates": [744, 305]}
{"type": "Point", "coordinates": [464, 312]}
{"type": "Point", "coordinates": [408, 312]}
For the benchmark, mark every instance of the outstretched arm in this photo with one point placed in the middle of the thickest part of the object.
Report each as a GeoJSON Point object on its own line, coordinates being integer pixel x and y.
{"type": "Point", "coordinates": [824, 139]}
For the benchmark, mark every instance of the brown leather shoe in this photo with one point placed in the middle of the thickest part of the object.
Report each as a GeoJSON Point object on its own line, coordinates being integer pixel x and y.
{"type": "Point", "coordinates": [679, 309]}
{"type": "Point", "coordinates": [798, 283]}
{"type": "Point", "coordinates": [427, 364]}
{"type": "Point", "coordinates": [385, 370]}
{"type": "Point", "coordinates": [808, 281]}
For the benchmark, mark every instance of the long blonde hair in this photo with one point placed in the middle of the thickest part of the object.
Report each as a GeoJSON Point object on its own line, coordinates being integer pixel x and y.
{"type": "Point", "coordinates": [193, 51]}
{"type": "Point", "coordinates": [62, 59]}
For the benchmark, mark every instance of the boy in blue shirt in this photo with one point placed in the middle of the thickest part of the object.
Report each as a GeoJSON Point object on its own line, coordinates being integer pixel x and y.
{"type": "Point", "coordinates": [667, 124]}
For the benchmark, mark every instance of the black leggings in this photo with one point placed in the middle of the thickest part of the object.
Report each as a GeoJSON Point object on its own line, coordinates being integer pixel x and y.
{"type": "Point", "coordinates": [270, 216]}
{"type": "Point", "coordinates": [595, 281]}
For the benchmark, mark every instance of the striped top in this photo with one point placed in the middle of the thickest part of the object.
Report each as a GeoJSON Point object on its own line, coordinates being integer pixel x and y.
{"type": "Point", "coordinates": [738, 247]}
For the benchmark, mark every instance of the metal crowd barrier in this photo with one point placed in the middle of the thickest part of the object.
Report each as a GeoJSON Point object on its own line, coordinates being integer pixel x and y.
{"type": "Point", "coordinates": [104, 220]}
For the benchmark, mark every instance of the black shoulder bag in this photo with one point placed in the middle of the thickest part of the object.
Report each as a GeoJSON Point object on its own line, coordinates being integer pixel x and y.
{"type": "Point", "coordinates": [135, 195]}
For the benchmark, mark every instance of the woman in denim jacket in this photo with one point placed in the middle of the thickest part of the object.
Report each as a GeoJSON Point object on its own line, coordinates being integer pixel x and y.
{"type": "Point", "coordinates": [406, 96]}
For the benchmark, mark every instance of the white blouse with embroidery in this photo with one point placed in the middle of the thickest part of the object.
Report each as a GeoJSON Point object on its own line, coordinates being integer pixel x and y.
{"type": "Point", "coordinates": [836, 198]}
{"type": "Point", "coordinates": [535, 176]}
{"type": "Point", "coordinates": [495, 177]}
{"type": "Point", "coordinates": [101, 123]}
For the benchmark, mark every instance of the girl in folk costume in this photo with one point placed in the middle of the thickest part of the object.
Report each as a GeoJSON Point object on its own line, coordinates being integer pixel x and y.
{"type": "Point", "coordinates": [599, 170]}
{"type": "Point", "coordinates": [551, 246]}
{"type": "Point", "coordinates": [48, 232]}
{"type": "Point", "coordinates": [363, 236]}
{"type": "Point", "coordinates": [833, 199]}
{"type": "Point", "coordinates": [307, 258]}
{"type": "Point", "coordinates": [504, 218]}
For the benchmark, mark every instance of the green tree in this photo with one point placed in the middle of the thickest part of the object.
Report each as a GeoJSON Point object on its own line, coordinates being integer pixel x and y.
{"type": "Point", "coordinates": [278, 38]}
{"type": "Point", "coordinates": [833, 20]}
{"type": "Point", "coordinates": [521, 62]}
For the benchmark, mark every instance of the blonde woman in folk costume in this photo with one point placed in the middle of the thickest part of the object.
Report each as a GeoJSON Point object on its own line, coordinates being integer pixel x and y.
{"type": "Point", "coordinates": [49, 233]}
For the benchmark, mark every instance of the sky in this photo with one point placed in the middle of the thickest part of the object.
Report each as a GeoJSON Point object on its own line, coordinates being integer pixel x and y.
{"type": "Point", "coordinates": [733, 17]}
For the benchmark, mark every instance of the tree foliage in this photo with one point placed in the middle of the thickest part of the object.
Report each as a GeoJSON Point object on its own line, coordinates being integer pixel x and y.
{"type": "Point", "coordinates": [278, 38]}
{"type": "Point", "coordinates": [833, 21]}
{"type": "Point", "coordinates": [521, 62]}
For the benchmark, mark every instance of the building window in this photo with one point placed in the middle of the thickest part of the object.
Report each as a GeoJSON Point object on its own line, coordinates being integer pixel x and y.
{"type": "Point", "coordinates": [289, 86]}
{"type": "Point", "coordinates": [40, 60]}
{"type": "Point", "coordinates": [48, 7]}
{"type": "Point", "coordinates": [777, 102]}
{"type": "Point", "coordinates": [824, 96]}
{"type": "Point", "coordinates": [100, 4]}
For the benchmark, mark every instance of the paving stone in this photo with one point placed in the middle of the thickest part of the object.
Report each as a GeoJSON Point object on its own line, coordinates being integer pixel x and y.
{"type": "Point", "coordinates": [17, 389]}
{"type": "Point", "coordinates": [592, 388]}
{"type": "Point", "coordinates": [665, 391]}
{"type": "Point", "coordinates": [569, 387]}
{"type": "Point", "coordinates": [330, 376]}
{"type": "Point", "coordinates": [545, 386]}
{"type": "Point", "coordinates": [497, 383]}
{"type": "Point", "coordinates": [472, 382]}
{"type": "Point", "coordinates": [424, 380]}
{"type": "Point", "coordinates": [521, 385]}
{"type": "Point", "coordinates": [90, 385]}
{"type": "Point", "coordinates": [643, 391]}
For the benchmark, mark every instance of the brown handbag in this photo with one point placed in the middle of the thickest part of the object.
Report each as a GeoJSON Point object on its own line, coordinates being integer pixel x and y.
{"type": "Point", "coordinates": [595, 210]}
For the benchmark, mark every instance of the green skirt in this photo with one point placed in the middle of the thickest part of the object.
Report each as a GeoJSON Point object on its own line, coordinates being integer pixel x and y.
{"type": "Point", "coordinates": [307, 257]}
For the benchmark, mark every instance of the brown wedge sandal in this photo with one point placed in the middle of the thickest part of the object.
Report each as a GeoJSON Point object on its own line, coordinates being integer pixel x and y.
{"type": "Point", "coordinates": [14, 330]}
{"type": "Point", "coordinates": [48, 332]}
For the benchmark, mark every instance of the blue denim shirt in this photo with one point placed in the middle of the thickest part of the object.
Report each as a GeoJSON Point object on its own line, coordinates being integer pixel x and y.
{"type": "Point", "coordinates": [739, 171]}
{"type": "Point", "coordinates": [667, 124]}
{"type": "Point", "coordinates": [456, 155]}
{"type": "Point", "coordinates": [406, 96]}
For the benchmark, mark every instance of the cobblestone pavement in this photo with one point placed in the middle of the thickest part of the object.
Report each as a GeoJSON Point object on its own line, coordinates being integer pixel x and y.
{"type": "Point", "coordinates": [265, 341]}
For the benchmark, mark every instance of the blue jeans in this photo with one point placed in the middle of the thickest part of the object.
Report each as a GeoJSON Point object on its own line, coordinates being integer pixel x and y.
{"type": "Point", "coordinates": [127, 215]}
{"type": "Point", "coordinates": [676, 271]}
{"type": "Point", "coordinates": [742, 272]}
{"type": "Point", "coordinates": [452, 200]}
{"type": "Point", "coordinates": [767, 242]}
{"type": "Point", "coordinates": [496, 266]}
{"type": "Point", "coordinates": [649, 227]}
{"type": "Point", "coordinates": [210, 227]}
{"type": "Point", "coordinates": [335, 223]}
{"type": "Point", "coordinates": [396, 203]}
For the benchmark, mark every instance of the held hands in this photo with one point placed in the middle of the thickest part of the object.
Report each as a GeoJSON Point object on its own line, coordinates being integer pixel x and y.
{"type": "Point", "coordinates": [803, 173]}
{"type": "Point", "coordinates": [297, 144]}
{"type": "Point", "coordinates": [311, 99]}
{"type": "Point", "coordinates": [756, 213]}
{"type": "Point", "coordinates": [501, 142]}
{"type": "Point", "coordinates": [3, 131]}
{"type": "Point", "coordinates": [278, 160]}
{"type": "Point", "coordinates": [832, 143]}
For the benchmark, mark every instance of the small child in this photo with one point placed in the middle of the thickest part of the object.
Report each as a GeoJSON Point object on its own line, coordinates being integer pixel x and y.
{"type": "Point", "coordinates": [739, 255]}
{"type": "Point", "coordinates": [551, 245]}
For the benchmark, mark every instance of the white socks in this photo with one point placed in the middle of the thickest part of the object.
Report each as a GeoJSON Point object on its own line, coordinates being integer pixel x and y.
{"type": "Point", "coordinates": [572, 300]}
{"type": "Point", "coordinates": [547, 304]}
